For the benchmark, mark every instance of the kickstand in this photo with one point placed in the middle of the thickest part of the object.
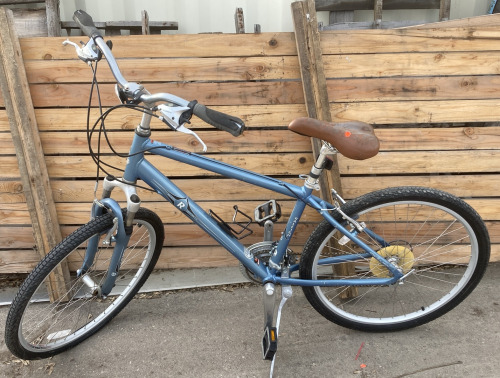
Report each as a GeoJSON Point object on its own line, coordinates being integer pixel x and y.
{"type": "Point", "coordinates": [271, 329]}
{"type": "Point", "coordinates": [286, 292]}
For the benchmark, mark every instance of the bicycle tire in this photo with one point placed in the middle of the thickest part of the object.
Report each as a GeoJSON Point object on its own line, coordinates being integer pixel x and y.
{"type": "Point", "coordinates": [39, 329]}
{"type": "Point", "coordinates": [435, 238]}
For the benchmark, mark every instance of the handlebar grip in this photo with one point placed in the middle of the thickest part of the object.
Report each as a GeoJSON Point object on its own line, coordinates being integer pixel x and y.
{"type": "Point", "coordinates": [86, 24]}
{"type": "Point", "coordinates": [224, 122]}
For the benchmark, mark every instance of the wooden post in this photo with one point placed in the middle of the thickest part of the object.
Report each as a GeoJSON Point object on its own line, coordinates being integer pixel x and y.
{"type": "Point", "coordinates": [53, 18]}
{"type": "Point", "coordinates": [31, 160]}
{"type": "Point", "coordinates": [313, 79]}
{"type": "Point", "coordinates": [239, 21]}
{"type": "Point", "coordinates": [316, 98]}
{"type": "Point", "coordinates": [145, 23]}
{"type": "Point", "coordinates": [377, 13]}
{"type": "Point", "coordinates": [444, 10]}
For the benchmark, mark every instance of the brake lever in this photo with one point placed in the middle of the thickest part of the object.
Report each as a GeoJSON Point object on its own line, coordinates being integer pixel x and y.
{"type": "Point", "coordinates": [88, 52]}
{"type": "Point", "coordinates": [185, 130]}
{"type": "Point", "coordinates": [173, 115]}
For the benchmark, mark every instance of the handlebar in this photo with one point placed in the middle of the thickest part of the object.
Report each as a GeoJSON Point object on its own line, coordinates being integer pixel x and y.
{"type": "Point", "coordinates": [86, 24]}
{"type": "Point", "coordinates": [137, 93]}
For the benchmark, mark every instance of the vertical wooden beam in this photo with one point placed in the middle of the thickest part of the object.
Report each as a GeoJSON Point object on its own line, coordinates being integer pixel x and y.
{"type": "Point", "coordinates": [53, 18]}
{"type": "Point", "coordinates": [239, 21]}
{"type": "Point", "coordinates": [145, 23]}
{"type": "Point", "coordinates": [377, 13]}
{"type": "Point", "coordinates": [31, 160]}
{"type": "Point", "coordinates": [317, 103]}
{"type": "Point", "coordinates": [314, 80]}
{"type": "Point", "coordinates": [444, 10]}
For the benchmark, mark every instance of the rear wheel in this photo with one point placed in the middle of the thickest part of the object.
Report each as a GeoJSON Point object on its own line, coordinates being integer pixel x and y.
{"type": "Point", "coordinates": [438, 240]}
{"type": "Point", "coordinates": [39, 328]}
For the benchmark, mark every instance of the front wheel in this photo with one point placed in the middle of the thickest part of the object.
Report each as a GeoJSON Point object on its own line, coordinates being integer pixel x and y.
{"type": "Point", "coordinates": [438, 241]}
{"type": "Point", "coordinates": [39, 328]}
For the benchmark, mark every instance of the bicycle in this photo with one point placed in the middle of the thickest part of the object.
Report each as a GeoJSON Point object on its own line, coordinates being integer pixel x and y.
{"type": "Point", "coordinates": [385, 261]}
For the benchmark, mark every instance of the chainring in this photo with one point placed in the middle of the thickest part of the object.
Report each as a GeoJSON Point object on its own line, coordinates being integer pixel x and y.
{"type": "Point", "coordinates": [262, 251]}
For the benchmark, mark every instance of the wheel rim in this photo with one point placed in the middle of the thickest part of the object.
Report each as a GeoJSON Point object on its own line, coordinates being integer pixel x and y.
{"type": "Point", "coordinates": [439, 282]}
{"type": "Point", "coordinates": [62, 323]}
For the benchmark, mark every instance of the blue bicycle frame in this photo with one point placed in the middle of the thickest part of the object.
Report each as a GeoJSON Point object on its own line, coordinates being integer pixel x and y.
{"type": "Point", "coordinates": [139, 168]}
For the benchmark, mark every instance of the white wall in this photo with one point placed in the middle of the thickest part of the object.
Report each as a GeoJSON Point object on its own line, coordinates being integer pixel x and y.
{"type": "Point", "coordinates": [198, 16]}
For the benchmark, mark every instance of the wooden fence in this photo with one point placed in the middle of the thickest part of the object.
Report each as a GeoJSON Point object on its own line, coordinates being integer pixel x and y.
{"type": "Point", "coordinates": [432, 94]}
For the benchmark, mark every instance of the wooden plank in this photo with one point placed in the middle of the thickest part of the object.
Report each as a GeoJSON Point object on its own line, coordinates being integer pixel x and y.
{"type": "Point", "coordinates": [390, 112]}
{"type": "Point", "coordinates": [460, 185]}
{"type": "Point", "coordinates": [418, 162]}
{"type": "Point", "coordinates": [113, 28]}
{"type": "Point", "coordinates": [14, 85]}
{"type": "Point", "coordinates": [424, 162]}
{"type": "Point", "coordinates": [379, 24]}
{"type": "Point", "coordinates": [446, 138]}
{"type": "Point", "coordinates": [265, 141]}
{"type": "Point", "coordinates": [11, 192]}
{"type": "Point", "coordinates": [488, 20]}
{"type": "Point", "coordinates": [76, 119]}
{"type": "Point", "coordinates": [15, 239]}
{"type": "Point", "coordinates": [180, 69]}
{"type": "Point", "coordinates": [412, 64]}
{"type": "Point", "coordinates": [23, 261]}
{"type": "Point", "coordinates": [240, 93]}
{"type": "Point", "coordinates": [216, 141]}
{"type": "Point", "coordinates": [414, 88]}
{"type": "Point", "coordinates": [198, 189]}
{"type": "Point", "coordinates": [51, 119]}
{"type": "Point", "coordinates": [409, 40]}
{"type": "Point", "coordinates": [341, 5]}
{"type": "Point", "coordinates": [78, 213]}
{"type": "Point", "coordinates": [10, 2]}
{"type": "Point", "coordinates": [343, 90]}
{"type": "Point", "coordinates": [83, 166]}
{"type": "Point", "coordinates": [471, 185]}
{"type": "Point", "coordinates": [170, 258]}
{"type": "Point", "coordinates": [467, 185]}
{"type": "Point", "coordinates": [30, 22]}
{"type": "Point", "coordinates": [492, 20]}
{"type": "Point", "coordinates": [179, 46]}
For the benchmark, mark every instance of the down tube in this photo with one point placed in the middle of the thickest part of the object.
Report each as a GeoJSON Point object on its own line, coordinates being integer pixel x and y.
{"type": "Point", "coordinates": [167, 189]}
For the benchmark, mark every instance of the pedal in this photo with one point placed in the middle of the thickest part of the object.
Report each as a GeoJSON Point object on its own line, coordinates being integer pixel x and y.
{"type": "Point", "coordinates": [269, 343]}
{"type": "Point", "coordinates": [270, 210]}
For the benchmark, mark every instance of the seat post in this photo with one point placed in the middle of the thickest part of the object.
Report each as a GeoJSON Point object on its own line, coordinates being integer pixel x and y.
{"type": "Point", "coordinates": [312, 179]}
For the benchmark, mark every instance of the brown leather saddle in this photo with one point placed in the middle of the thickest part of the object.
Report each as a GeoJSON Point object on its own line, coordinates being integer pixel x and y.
{"type": "Point", "coordinates": [353, 139]}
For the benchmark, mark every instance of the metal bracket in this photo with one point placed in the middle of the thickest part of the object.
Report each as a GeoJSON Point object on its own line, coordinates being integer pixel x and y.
{"type": "Point", "coordinates": [107, 239]}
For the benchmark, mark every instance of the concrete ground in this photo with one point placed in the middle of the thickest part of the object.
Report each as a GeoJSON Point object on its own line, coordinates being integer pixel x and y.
{"type": "Point", "coordinates": [217, 333]}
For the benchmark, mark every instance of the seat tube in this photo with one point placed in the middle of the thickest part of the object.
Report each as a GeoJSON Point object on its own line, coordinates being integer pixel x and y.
{"type": "Point", "coordinates": [290, 228]}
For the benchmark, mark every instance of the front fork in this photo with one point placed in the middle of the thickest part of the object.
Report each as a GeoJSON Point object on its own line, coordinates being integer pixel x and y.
{"type": "Point", "coordinates": [119, 233]}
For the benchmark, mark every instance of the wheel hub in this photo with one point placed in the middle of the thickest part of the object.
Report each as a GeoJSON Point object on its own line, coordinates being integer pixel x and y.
{"type": "Point", "coordinates": [398, 255]}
